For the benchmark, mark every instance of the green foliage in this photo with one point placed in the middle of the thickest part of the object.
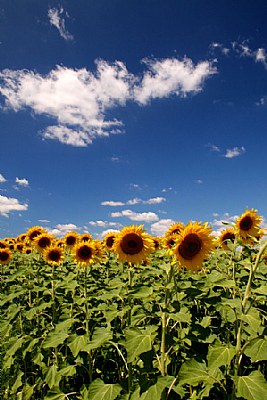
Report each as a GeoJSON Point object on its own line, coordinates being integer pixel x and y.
{"type": "Point", "coordinates": [134, 333]}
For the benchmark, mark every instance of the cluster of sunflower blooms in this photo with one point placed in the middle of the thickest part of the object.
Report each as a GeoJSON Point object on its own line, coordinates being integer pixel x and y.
{"type": "Point", "coordinates": [189, 245]}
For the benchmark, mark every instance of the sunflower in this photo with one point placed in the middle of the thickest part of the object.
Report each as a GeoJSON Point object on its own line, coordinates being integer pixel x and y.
{"type": "Point", "coordinates": [22, 237]}
{"type": "Point", "coordinates": [42, 241]}
{"type": "Point", "coordinates": [226, 235]}
{"type": "Point", "coordinates": [27, 250]}
{"type": "Point", "coordinates": [157, 242]}
{"type": "Point", "coordinates": [85, 237]}
{"type": "Point", "coordinates": [133, 245]}
{"type": "Point", "coordinates": [33, 232]}
{"type": "Point", "coordinates": [3, 245]}
{"type": "Point", "coordinates": [5, 256]}
{"type": "Point", "coordinates": [53, 255]}
{"type": "Point", "coordinates": [174, 229]}
{"type": "Point", "coordinates": [169, 241]}
{"type": "Point", "coordinates": [248, 224]}
{"type": "Point", "coordinates": [19, 247]}
{"type": "Point", "coordinates": [70, 239]}
{"type": "Point", "coordinates": [193, 245]}
{"type": "Point", "coordinates": [109, 239]}
{"type": "Point", "coordinates": [99, 253]}
{"type": "Point", "coordinates": [84, 253]}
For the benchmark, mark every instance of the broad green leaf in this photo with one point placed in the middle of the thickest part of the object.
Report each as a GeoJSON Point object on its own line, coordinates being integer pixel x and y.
{"type": "Point", "coordinates": [261, 290]}
{"type": "Point", "coordinates": [253, 319]}
{"type": "Point", "coordinates": [70, 370]}
{"type": "Point", "coordinates": [155, 391]}
{"type": "Point", "coordinates": [54, 338]}
{"type": "Point", "coordinates": [137, 342]}
{"type": "Point", "coordinates": [219, 355]}
{"type": "Point", "coordinates": [193, 373]}
{"type": "Point", "coordinates": [181, 316]}
{"type": "Point", "coordinates": [257, 350]}
{"type": "Point", "coordinates": [100, 337]}
{"type": "Point", "coordinates": [252, 387]}
{"type": "Point", "coordinates": [52, 395]}
{"type": "Point", "coordinates": [77, 344]}
{"type": "Point", "coordinates": [98, 390]}
{"type": "Point", "coordinates": [26, 393]}
{"type": "Point", "coordinates": [8, 359]}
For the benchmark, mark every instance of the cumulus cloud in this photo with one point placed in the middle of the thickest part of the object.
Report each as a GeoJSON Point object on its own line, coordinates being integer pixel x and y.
{"type": "Point", "coordinates": [9, 204]}
{"type": "Point", "coordinates": [159, 228]}
{"type": "Point", "coordinates": [234, 152]}
{"type": "Point", "coordinates": [56, 19]}
{"type": "Point", "coordinates": [22, 182]}
{"type": "Point", "coordinates": [104, 233]}
{"type": "Point", "coordinates": [132, 202]}
{"type": "Point", "coordinates": [133, 216]}
{"type": "Point", "coordinates": [2, 179]}
{"type": "Point", "coordinates": [221, 222]}
{"type": "Point", "coordinates": [61, 229]}
{"type": "Point", "coordinates": [155, 200]}
{"type": "Point", "coordinates": [78, 99]}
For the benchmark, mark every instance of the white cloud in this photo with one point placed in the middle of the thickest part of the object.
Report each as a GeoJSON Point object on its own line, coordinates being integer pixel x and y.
{"type": "Point", "coordinates": [262, 101]}
{"type": "Point", "coordinates": [171, 77]}
{"type": "Point", "coordinates": [78, 99]}
{"type": "Point", "coordinates": [44, 221]}
{"type": "Point", "coordinates": [235, 152]}
{"type": "Point", "coordinates": [61, 229]}
{"type": "Point", "coordinates": [134, 201]}
{"type": "Point", "coordinates": [103, 234]}
{"type": "Point", "coordinates": [199, 181]}
{"type": "Point", "coordinates": [213, 148]}
{"type": "Point", "coordinates": [112, 203]}
{"type": "Point", "coordinates": [155, 200]}
{"type": "Point", "coordinates": [133, 216]}
{"type": "Point", "coordinates": [2, 179]}
{"type": "Point", "coordinates": [8, 204]}
{"type": "Point", "coordinates": [222, 222]}
{"type": "Point", "coordinates": [56, 20]}
{"type": "Point", "coordinates": [219, 46]}
{"type": "Point", "coordinates": [169, 189]}
{"type": "Point", "coordinates": [22, 182]}
{"type": "Point", "coordinates": [104, 224]}
{"type": "Point", "coordinates": [159, 228]}
{"type": "Point", "coordinates": [260, 56]}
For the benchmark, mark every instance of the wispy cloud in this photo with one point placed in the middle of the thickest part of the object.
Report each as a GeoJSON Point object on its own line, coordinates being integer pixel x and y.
{"type": "Point", "coordinates": [104, 224]}
{"type": "Point", "coordinates": [56, 19]}
{"type": "Point", "coordinates": [9, 204]}
{"type": "Point", "coordinates": [136, 200]}
{"type": "Point", "coordinates": [2, 179]}
{"type": "Point", "coordinates": [79, 99]}
{"type": "Point", "coordinates": [213, 147]}
{"type": "Point", "coordinates": [234, 152]}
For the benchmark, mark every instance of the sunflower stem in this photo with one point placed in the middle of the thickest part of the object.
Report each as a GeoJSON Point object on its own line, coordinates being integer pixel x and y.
{"type": "Point", "coordinates": [245, 309]}
{"type": "Point", "coordinates": [90, 361]}
{"type": "Point", "coordinates": [129, 323]}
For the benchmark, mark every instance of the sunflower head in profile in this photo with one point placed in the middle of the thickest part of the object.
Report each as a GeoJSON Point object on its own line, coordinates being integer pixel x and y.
{"type": "Point", "coordinates": [33, 232]}
{"type": "Point", "coordinates": [27, 250]}
{"type": "Point", "coordinates": [85, 237]}
{"type": "Point", "coordinates": [22, 237]}
{"type": "Point", "coordinates": [5, 256]}
{"type": "Point", "coordinates": [99, 251]}
{"type": "Point", "coordinates": [42, 241]}
{"type": "Point", "coordinates": [226, 235]}
{"type": "Point", "coordinates": [19, 247]}
{"type": "Point", "coordinates": [174, 229]}
{"type": "Point", "coordinates": [3, 244]}
{"type": "Point", "coordinates": [157, 242]}
{"type": "Point", "coordinates": [84, 253]}
{"type": "Point", "coordinates": [71, 239]}
{"type": "Point", "coordinates": [193, 245]}
{"type": "Point", "coordinates": [108, 240]}
{"type": "Point", "coordinates": [248, 224]}
{"type": "Point", "coordinates": [133, 245]}
{"type": "Point", "coordinates": [53, 255]}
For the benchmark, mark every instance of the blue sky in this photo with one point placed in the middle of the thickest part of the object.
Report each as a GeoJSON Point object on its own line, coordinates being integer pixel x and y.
{"type": "Point", "coordinates": [118, 112]}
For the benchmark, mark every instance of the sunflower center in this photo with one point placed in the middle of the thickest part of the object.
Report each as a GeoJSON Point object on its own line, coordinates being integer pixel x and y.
{"type": "Point", "coordinates": [85, 253]}
{"type": "Point", "coordinates": [246, 223]}
{"type": "Point", "coordinates": [44, 242]}
{"type": "Point", "coordinates": [190, 246]}
{"type": "Point", "coordinates": [4, 256]}
{"type": "Point", "coordinates": [2, 245]}
{"type": "Point", "coordinates": [132, 244]}
{"type": "Point", "coordinates": [34, 234]}
{"type": "Point", "coordinates": [229, 236]}
{"type": "Point", "coordinates": [54, 255]}
{"type": "Point", "coordinates": [110, 241]}
{"type": "Point", "coordinates": [70, 241]}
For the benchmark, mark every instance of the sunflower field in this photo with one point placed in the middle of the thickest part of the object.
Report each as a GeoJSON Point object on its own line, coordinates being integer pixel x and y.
{"type": "Point", "coordinates": [135, 316]}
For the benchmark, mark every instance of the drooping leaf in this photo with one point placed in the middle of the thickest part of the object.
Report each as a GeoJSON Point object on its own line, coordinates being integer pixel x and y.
{"type": "Point", "coordinates": [257, 350]}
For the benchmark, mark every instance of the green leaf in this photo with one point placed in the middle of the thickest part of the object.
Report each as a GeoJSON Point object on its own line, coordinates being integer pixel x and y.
{"type": "Point", "coordinates": [54, 338]}
{"type": "Point", "coordinates": [219, 355]}
{"type": "Point", "coordinates": [155, 391]}
{"type": "Point", "coordinates": [137, 342]}
{"type": "Point", "coordinates": [261, 290]}
{"type": "Point", "coordinates": [100, 337]}
{"type": "Point", "coordinates": [8, 359]}
{"type": "Point", "coordinates": [253, 319]}
{"type": "Point", "coordinates": [52, 377]}
{"type": "Point", "coordinates": [77, 344]}
{"type": "Point", "coordinates": [52, 395]}
{"type": "Point", "coordinates": [98, 390]}
{"type": "Point", "coordinates": [257, 350]}
{"type": "Point", "coordinates": [251, 387]}
{"type": "Point", "coordinates": [17, 383]}
{"type": "Point", "coordinates": [194, 373]}
{"type": "Point", "coordinates": [141, 292]}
